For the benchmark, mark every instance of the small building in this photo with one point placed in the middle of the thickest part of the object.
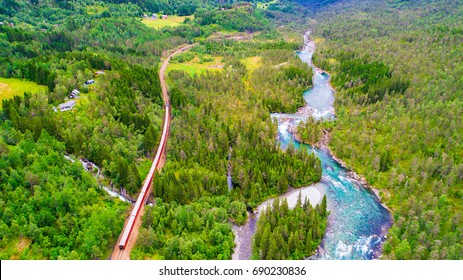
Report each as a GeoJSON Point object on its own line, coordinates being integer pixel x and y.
{"type": "Point", "coordinates": [67, 105]}
{"type": "Point", "coordinates": [164, 16]}
{"type": "Point", "coordinates": [90, 82]}
{"type": "Point", "coordinates": [145, 15]}
{"type": "Point", "coordinates": [1, 22]}
{"type": "Point", "coordinates": [154, 16]}
{"type": "Point", "coordinates": [74, 94]}
{"type": "Point", "coordinates": [99, 72]}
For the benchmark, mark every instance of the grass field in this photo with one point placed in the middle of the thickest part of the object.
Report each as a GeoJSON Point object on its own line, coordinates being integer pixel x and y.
{"type": "Point", "coordinates": [10, 87]}
{"type": "Point", "coordinates": [194, 66]}
{"type": "Point", "coordinates": [252, 63]}
{"type": "Point", "coordinates": [170, 21]}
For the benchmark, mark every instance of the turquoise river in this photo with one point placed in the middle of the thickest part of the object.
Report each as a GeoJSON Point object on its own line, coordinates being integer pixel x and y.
{"type": "Point", "coordinates": [358, 222]}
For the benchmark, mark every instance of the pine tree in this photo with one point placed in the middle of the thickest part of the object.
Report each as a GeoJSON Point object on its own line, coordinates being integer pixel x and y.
{"type": "Point", "coordinates": [273, 250]}
{"type": "Point", "coordinates": [264, 243]}
{"type": "Point", "coordinates": [385, 161]}
{"type": "Point", "coordinates": [122, 172]}
{"type": "Point", "coordinates": [149, 140]}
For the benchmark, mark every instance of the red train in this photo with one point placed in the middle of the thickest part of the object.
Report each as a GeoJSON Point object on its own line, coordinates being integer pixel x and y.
{"type": "Point", "coordinates": [143, 196]}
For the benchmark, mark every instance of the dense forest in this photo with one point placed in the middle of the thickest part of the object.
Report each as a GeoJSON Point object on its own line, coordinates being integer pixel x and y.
{"type": "Point", "coordinates": [222, 123]}
{"type": "Point", "coordinates": [52, 208]}
{"type": "Point", "coordinates": [284, 233]}
{"type": "Point", "coordinates": [195, 231]}
{"type": "Point", "coordinates": [396, 66]}
{"type": "Point", "coordinates": [232, 126]}
{"type": "Point", "coordinates": [397, 69]}
{"type": "Point", "coordinates": [116, 123]}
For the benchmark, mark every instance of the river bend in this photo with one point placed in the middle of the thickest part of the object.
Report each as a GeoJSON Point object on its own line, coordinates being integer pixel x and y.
{"type": "Point", "coordinates": [358, 222]}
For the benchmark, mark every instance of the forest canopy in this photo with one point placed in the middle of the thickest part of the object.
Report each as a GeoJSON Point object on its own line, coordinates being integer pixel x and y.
{"type": "Point", "coordinates": [103, 51]}
{"type": "Point", "coordinates": [396, 66]}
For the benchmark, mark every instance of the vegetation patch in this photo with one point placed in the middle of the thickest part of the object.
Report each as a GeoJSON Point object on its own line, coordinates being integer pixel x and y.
{"type": "Point", "coordinates": [55, 220]}
{"type": "Point", "coordinates": [252, 63]}
{"type": "Point", "coordinates": [195, 64]}
{"type": "Point", "coordinates": [10, 87]}
{"type": "Point", "coordinates": [284, 233]}
{"type": "Point", "coordinates": [189, 232]}
{"type": "Point", "coordinates": [266, 4]}
{"type": "Point", "coordinates": [95, 9]}
{"type": "Point", "coordinates": [170, 21]}
{"type": "Point", "coordinates": [399, 108]}
{"type": "Point", "coordinates": [144, 166]}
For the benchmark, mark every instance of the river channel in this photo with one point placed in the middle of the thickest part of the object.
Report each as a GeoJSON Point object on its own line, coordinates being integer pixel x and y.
{"type": "Point", "coordinates": [358, 222]}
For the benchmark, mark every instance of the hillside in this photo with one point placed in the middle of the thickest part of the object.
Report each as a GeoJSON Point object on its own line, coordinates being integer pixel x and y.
{"type": "Point", "coordinates": [397, 70]}
{"type": "Point", "coordinates": [79, 82]}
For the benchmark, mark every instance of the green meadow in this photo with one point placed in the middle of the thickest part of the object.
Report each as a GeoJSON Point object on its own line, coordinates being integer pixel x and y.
{"type": "Point", "coordinates": [10, 87]}
{"type": "Point", "coordinates": [171, 21]}
{"type": "Point", "coordinates": [198, 65]}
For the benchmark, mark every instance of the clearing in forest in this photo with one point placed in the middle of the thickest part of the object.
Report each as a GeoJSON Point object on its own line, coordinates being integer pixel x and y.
{"type": "Point", "coordinates": [197, 64]}
{"type": "Point", "coordinates": [170, 21]}
{"type": "Point", "coordinates": [252, 63]}
{"type": "Point", "coordinates": [10, 87]}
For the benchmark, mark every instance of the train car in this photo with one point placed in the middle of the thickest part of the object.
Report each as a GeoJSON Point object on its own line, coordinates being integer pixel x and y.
{"type": "Point", "coordinates": [142, 197]}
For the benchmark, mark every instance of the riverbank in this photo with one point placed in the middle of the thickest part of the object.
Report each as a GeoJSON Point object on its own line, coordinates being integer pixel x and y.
{"type": "Point", "coordinates": [352, 174]}
{"type": "Point", "coordinates": [313, 193]}
{"type": "Point", "coordinates": [358, 220]}
{"type": "Point", "coordinates": [323, 143]}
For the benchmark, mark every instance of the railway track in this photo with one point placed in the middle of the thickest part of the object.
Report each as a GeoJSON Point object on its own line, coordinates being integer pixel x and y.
{"type": "Point", "coordinates": [129, 234]}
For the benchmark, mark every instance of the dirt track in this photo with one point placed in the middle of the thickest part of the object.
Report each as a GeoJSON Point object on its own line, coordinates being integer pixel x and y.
{"type": "Point", "coordinates": [124, 254]}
